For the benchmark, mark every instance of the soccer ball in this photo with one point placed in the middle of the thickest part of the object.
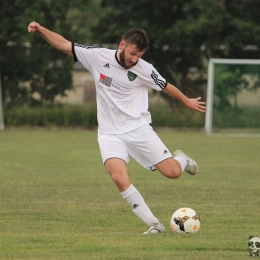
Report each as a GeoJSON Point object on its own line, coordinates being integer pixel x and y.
{"type": "Point", "coordinates": [185, 220]}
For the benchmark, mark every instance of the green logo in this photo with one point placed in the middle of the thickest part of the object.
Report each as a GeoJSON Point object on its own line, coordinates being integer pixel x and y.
{"type": "Point", "coordinates": [131, 76]}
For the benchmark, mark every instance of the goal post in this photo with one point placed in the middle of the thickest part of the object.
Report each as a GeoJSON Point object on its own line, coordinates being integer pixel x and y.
{"type": "Point", "coordinates": [212, 78]}
{"type": "Point", "coordinates": [1, 108]}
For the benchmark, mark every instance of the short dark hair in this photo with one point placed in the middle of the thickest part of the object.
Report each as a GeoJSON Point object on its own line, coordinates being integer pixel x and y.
{"type": "Point", "coordinates": [137, 37]}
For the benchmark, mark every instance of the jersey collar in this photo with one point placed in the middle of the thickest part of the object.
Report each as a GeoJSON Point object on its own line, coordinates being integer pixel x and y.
{"type": "Point", "coordinates": [117, 58]}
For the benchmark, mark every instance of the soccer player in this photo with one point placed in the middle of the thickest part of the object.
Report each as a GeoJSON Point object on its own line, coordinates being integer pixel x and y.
{"type": "Point", "coordinates": [122, 80]}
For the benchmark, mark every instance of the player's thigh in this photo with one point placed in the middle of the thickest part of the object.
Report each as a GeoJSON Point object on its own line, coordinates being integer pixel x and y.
{"type": "Point", "coordinates": [112, 147]}
{"type": "Point", "coordinates": [115, 158]}
{"type": "Point", "coordinates": [147, 148]}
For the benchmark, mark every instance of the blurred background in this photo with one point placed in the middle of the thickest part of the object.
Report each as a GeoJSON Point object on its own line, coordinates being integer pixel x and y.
{"type": "Point", "coordinates": [42, 87]}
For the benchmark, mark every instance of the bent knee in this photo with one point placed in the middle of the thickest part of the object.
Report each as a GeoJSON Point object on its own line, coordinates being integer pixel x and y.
{"type": "Point", "coordinates": [121, 180]}
{"type": "Point", "coordinates": [170, 168]}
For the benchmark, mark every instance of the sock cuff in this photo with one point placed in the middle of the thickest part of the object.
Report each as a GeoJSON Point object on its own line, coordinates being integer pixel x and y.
{"type": "Point", "coordinates": [128, 192]}
{"type": "Point", "coordinates": [182, 161]}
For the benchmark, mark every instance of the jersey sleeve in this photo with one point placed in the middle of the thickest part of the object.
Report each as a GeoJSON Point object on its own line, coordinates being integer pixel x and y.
{"type": "Point", "coordinates": [85, 55]}
{"type": "Point", "coordinates": [154, 79]}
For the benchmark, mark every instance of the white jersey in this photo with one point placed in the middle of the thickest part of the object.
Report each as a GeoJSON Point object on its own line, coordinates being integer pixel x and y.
{"type": "Point", "coordinates": [122, 94]}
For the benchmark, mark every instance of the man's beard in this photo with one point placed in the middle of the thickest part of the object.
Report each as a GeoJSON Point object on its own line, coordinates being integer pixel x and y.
{"type": "Point", "coordinates": [123, 61]}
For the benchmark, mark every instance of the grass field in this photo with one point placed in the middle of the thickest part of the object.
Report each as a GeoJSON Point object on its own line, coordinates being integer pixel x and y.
{"type": "Point", "coordinates": [58, 202]}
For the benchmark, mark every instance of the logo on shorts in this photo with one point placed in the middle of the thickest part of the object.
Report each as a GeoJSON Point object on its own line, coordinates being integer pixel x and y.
{"type": "Point", "coordinates": [165, 152]}
{"type": "Point", "coordinates": [131, 76]}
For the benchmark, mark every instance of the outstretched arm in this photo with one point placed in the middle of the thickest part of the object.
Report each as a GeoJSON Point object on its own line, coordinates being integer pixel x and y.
{"type": "Point", "coordinates": [54, 39]}
{"type": "Point", "coordinates": [192, 103]}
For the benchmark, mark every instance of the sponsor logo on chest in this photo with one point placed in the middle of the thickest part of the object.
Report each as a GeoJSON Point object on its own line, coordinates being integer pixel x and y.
{"type": "Point", "coordinates": [105, 80]}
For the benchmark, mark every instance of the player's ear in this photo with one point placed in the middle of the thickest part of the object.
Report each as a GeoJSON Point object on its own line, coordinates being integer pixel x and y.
{"type": "Point", "coordinates": [121, 45]}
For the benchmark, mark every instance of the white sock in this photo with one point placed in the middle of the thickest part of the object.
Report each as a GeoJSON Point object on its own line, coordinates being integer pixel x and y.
{"type": "Point", "coordinates": [139, 207]}
{"type": "Point", "coordinates": [182, 160]}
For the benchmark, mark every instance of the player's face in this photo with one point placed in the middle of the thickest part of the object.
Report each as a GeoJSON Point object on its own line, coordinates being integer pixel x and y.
{"type": "Point", "coordinates": [129, 55]}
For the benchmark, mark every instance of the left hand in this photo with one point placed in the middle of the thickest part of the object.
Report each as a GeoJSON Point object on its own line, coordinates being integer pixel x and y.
{"type": "Point", "coordinates": [196, 105]}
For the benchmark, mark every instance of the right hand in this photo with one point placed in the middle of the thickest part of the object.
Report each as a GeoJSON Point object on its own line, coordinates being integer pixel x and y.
{"type": "Point", "coordinates": [33, 27]}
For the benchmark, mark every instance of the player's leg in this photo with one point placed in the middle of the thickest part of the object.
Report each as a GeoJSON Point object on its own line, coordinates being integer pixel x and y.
{"type": "Point", "coordinates": [170, 168]}
{"type": "Point", "coordinates": [117, 169]}
{"type": "Point", "coordinates": [115, 157]}
{"type": "Point", "coordinates": [146, 148]}
{"type": "Point", "coordinates": [173, 167]}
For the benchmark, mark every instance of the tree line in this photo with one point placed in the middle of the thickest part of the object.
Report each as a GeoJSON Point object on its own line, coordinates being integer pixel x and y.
{"type": "Point", "coordinates": [184, 34]}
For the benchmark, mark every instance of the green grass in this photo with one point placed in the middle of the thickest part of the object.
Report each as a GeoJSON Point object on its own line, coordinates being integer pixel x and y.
{"type": "Point", "coordinates": [58, 202]}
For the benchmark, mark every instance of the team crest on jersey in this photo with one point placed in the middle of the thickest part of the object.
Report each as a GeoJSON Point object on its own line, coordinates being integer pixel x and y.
{"type": "Point", "coordinates": [131, 76]}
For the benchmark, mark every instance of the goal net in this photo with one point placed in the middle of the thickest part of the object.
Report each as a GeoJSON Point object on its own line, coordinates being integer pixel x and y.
{"type": "Point", "coordinates": [233, 97]}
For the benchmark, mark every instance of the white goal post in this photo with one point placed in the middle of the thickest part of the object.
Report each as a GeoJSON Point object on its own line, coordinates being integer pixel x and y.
{"type": "Point", "coordinates": [1, 107]}
{"type": "Point", "coordinates": [210, 85]}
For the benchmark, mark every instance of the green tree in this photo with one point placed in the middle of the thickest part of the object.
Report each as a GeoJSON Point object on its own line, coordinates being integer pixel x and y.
{"type": "Point", "coordinates": [185, 34]}
{"type": "Point", "coordinates": [32, 72]}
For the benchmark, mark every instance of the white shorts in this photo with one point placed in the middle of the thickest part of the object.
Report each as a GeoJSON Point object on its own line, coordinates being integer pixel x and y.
{"type": "Point", "coordinates": [141, 144]}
